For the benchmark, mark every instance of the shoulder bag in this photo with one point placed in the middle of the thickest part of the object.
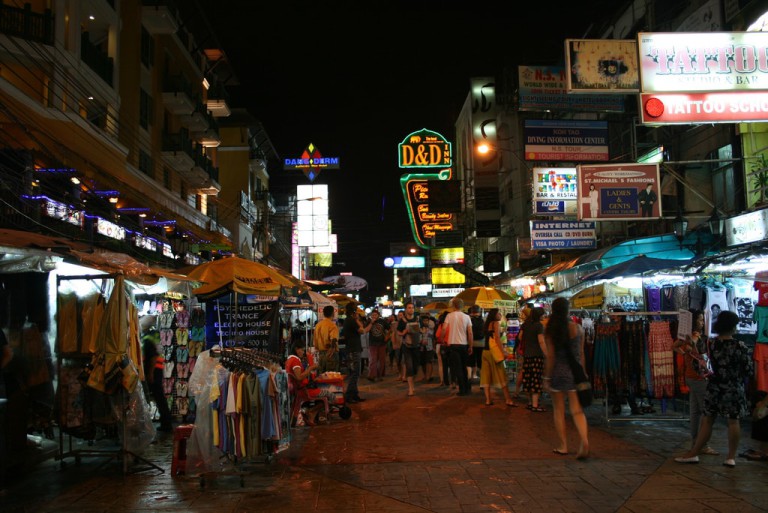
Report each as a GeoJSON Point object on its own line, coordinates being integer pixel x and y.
{"type": "Point", "coordinates": [583, 386]}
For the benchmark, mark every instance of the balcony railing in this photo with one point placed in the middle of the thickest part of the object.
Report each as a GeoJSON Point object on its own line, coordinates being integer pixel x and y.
{"type": "Point", "coordinates": [23, 23]}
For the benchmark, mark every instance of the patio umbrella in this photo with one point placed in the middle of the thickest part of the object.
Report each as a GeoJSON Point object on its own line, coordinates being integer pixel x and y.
{"type": "Point", "coordinates": [235, 274]}
{"type": "Point", "coordinates": [436, 306]}
{"type": "Point", "coordinates": [342, 300]}
{"type": "Point", "coordinates": [483, 297]}
{"type": "Point", "coordinates": [636, 266]}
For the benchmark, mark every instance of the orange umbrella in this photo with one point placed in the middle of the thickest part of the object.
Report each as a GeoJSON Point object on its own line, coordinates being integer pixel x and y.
{"type": "Point", "coordinates": [235, 274]}
{"type": "Point", "coordinates": [484, 297]}
{"type": "Point", "coordinates": [342, 299]}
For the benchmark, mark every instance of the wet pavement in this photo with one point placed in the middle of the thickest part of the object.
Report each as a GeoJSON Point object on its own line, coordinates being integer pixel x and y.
{"type": "Point", "coordinates": [432, 452]}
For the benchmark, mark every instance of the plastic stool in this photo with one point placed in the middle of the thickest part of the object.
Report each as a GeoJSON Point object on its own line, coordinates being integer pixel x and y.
{"type": "Point", "coordinates": [180, 436]}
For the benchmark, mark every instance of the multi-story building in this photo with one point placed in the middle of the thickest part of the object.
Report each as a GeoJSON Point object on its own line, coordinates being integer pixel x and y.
{"type": "Point", "coordinates": [705, 168]}
{"type": "Point", "coordinates": [110, 112]}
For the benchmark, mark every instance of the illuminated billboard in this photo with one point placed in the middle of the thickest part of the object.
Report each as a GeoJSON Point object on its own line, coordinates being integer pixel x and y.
{"type": "Point", "coordinates": [703, 62]}
{"type": "Point", "coordinates": [613, 192]}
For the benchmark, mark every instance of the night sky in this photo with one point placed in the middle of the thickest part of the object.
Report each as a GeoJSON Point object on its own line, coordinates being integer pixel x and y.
{"type": "Point", "coordinates": [355, 78]}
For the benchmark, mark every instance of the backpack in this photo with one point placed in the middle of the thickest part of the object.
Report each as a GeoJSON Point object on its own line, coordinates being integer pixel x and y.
{"type": "Point", "coordinates": [478, 328]}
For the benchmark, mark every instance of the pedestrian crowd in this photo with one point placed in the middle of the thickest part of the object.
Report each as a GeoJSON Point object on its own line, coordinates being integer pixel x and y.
{"type": "Point", "coordinates": [455, 350]}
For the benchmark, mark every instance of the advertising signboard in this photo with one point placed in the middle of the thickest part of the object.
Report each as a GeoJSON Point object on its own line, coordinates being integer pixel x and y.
{"type": "Point", "coordinates": [554, 190]}
{"type": "Point", "coordinates": [563, 235]}
{"type": "Point", "coordinates": [747, 228]}
{"type": "Point", "coordinates": [687, 108]}
{"type": "Point", "coordinates": [619, 192]}
{"type": "Point", "coordinates": [447, 276]}
{"type": "Point", "coordinates": [424, 149]}
{"type": "Point", "coordinates": [564, 140]}
{"type": "Point", "coordinates": [601, 66]}
{"type": "Point", "coordinates": [543, 88]}
{"type": "Point", "coordinates": [703, 62]}
{"type": "Point", "coordinates": [425, 224]}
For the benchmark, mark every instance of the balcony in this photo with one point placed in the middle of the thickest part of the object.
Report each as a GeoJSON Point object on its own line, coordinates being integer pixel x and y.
{"type": "Point", "coordinates": [177, 151]}
{"type": "Point", "coordinates": [159, 17]}
{"type": "Point", "coordinates": [218, 101]}
{"type": "Point", "coordinates": [178, 96]}
{"type": "Point", "coordinates": [202, 176]}
{"type": "Point", "coordinates": [209, 137]}
{"type": "Point", "coordinates": [26, 24]}
{"type": "Point", "coordinates": [265, 199]}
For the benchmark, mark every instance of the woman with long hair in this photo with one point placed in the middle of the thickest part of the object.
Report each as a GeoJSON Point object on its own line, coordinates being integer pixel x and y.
{"type": "Point", "coordinates": [533, 358]}
{"type": "Point", "coordinates": [694, 348]}
{"type": "Point", "coordinates": [492, 373]}
{"type": "Point", "coordinates": [562, 336]}
{"type": "Point", "coordinates": [725, 395]}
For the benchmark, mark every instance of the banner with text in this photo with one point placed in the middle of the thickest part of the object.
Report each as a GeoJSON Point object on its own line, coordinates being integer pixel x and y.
{"type": "Point", "coordinates": [543, 88]}
{"type": "Point", "coordinates": [563, 235]}
{"type": "Point", "coordinates": [618, 192]}
{"type": "Point", "coordinates": [554, 191]}
{"type": "Point", "coordinates": [255, 325]}
{"type": "Point", "coordinates": [579, 141]}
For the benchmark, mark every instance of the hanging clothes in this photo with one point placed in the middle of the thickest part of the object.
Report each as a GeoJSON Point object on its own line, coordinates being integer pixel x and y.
{"type": "Point", "coordinates": [717, 300]}
{"type": "Point", "coordinates": [661, 359]}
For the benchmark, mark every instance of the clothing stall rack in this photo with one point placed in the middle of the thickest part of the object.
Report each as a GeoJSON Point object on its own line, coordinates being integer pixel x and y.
{"type": "Point", "coordinates": [607, 417]}
{"type": "Point", "coordinates": [122, 453]}
{"type": "Point", "coordinates": [241, 359]}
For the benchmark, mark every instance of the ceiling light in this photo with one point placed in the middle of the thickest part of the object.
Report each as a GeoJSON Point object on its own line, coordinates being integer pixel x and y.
{"type": "Point", "coordinates": [91, 17]}
{"type": "Point", "coordinates": [113, 199]}
{"type": "Point", "coordinates": [75, 180]}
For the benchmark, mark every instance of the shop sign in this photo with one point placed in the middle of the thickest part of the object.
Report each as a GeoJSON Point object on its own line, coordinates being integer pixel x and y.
{"type": "Point", "coordinates": [252, 325]}
{"type": "Point", "coordinates": [563, 235]}
{"type": "Point", "coordinates": [445, 256]}
{"type": "Point", "coordinates": [311, 162]}
{"type": "Point", "coordinates": [566, 140]}
{"type": "Point", "coordinates": [167, 250]}
{"type": "Point", "coordinates": [601, 66]}
{"type": "Point", "coordinates": [425, 149]}
{"type": "Point", "coordinates": [446, 276]}
{"type": "Point", "coordinates": [743, 229]}
{"type": "Point", "coordinates": [446, 292]}
{"type": "Point", "coordinates": [687, 108]}
{"type": "Point", "coordinates": [405, 262]}
{"type": "Point", "coordinates": [705, 61]}
{"type": "Point", "coordinates": [144, 242]}
{"type": "Point", "coordinates": [425, 223]}
{"type": "Point", "coordinates": [63, 212]}
{"type": "Point", "coordinates": [543, 88]}
{"type": "Point", "coordinates": [420, 290]}
{"type": "Point", "coordinates": [554, 190]}
{"type": "Point", "coordinates": [615, 192]}
{"type": "Point", "coordinates": [109, 229]}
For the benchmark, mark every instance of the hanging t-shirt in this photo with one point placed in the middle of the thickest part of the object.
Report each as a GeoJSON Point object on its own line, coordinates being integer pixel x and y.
{"type": "Point", "coordinates": [717, 301]}
{"type": "Point", "coordinates": [762, 292]}
{"type": "Point", "coordinates": [761, 319]}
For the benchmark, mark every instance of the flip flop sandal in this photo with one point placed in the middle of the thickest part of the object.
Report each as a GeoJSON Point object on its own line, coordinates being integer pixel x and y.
{"type": "Point", "coordinates": [538, 409]}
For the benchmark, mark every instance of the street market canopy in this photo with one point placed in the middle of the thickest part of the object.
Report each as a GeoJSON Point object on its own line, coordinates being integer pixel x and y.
{"type": "Point", "coordinates": [636, 266]}
{"type": "Point", "coordinates": [235, 274]}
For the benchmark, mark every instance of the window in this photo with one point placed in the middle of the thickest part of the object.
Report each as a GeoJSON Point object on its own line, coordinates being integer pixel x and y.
{"type": "Point", "coordinates": [723, 182]}
{"type": "Point", "coordinates": [145, 164]}
{"type": "Point", "coordinates": [167, 179]}
{"type": "Point", "coordinates": [145, 109]}
{"type": "Point", "coordinates": [147, 48]}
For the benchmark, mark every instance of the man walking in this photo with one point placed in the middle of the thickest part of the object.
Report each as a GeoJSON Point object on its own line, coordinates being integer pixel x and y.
{"type": "Point", "coordinates": [353, 328]}
{"type": "Point", "coordinates": [326, 340]}
{"type": "Point", "coordinates": [478, 342]}
{"type": "Point", "coordinates": [459, 344]}
{"type": "Point", "coordinates": [378, 333]}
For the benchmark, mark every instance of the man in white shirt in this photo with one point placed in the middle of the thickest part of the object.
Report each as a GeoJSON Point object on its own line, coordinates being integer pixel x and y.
{"type": "Point", "coordinates": [459, 344]}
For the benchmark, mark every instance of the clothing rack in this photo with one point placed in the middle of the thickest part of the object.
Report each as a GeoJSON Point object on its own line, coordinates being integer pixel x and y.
{"type": "Point", "coordinates": [608, 418]}
{"type": "Point", "coordinates": [122, 453]}
{"type": "Point", "coordinates": [242, 359]}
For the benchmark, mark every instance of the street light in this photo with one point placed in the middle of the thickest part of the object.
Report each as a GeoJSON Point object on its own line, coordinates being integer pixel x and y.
{"type": "Point", "coordinates": [680, 226]}
{"type": "Point", "coordinates": [716, 224]}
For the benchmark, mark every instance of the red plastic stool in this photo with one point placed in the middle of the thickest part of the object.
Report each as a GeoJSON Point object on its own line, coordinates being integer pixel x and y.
{"type": "Point", "coordinates": [180, 436]}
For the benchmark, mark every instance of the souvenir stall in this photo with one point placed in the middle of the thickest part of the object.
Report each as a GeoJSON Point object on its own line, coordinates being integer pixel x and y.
{"type": "Point", "coordinates": [242, 355]}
